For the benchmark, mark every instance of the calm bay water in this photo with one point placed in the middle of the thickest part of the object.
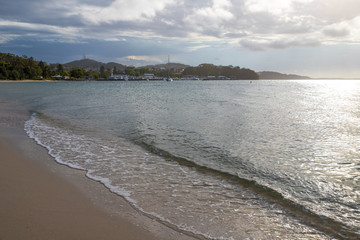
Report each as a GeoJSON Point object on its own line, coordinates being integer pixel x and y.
{"type": "Point", "coordinates": [219, 159]}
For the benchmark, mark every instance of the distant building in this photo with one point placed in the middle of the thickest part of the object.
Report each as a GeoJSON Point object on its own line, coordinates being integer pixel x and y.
{"type": "Point", "coordinates": [57, 77]}
{"type": "Point", "coordinates": [217, 78]}
{"type": "Point", "coordinates": [223, 78]}
{"type": "Point", "coordinates": [190, 77]}
{"type": "Point", "coordinates": [119, 77]}
{"type": "Point", "coordinates": [149, 76]}
{"type": "Point", "coordinates": [60, 77]}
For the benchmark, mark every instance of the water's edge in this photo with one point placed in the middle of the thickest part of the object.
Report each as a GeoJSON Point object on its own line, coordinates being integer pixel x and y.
{"type": "Point", "coordinates": [110, 188]}
{"type": "Point", "coordinates": [323, 224]}
{"type": "Point", "coordinates": [274, 159]}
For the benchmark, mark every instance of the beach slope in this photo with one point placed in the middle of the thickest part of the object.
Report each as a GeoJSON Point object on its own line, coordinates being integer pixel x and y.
{"type": "Point", "coordinates": [40, 199]}
{"type": "Point", "coordinates": [35, 204]}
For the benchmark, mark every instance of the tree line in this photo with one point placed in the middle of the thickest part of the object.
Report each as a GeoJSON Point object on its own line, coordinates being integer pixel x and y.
{"type": "Point", "coordinates": [13, 67]}
{"type": "Point", "coordinates": [205, 70]}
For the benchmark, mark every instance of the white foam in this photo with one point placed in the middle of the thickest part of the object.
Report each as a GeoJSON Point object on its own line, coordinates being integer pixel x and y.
{"type": "Point", "coordinates": [179, 196]}
{"type": "Point", "coordinates": [115, 189]}
{"type": "Point", "coordinates": [29, 129]}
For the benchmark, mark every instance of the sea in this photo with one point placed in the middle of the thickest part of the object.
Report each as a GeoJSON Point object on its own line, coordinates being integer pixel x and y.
{"type": "Point", "coordinates": [275, 159]}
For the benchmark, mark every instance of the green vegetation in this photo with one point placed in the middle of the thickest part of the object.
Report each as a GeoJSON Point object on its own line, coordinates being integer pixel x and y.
{"type": "Point", "coordinates": [136, 72]}
{"type": "Point", "coordinates": [276, 75]}
{"type": "Point", "coordinates": [77, 73]}
{"type": "Point", "coordinates": [13, 67]}
{"type": "Point", "coordinates": [205, 70]}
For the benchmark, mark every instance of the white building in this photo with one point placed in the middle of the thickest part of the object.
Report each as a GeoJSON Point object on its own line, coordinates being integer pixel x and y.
{"type": "Point", "coordinates": [149, 76]}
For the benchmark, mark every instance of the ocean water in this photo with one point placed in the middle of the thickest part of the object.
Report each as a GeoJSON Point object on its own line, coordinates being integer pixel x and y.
{"type": "Point", "coordinates": [214, 159]}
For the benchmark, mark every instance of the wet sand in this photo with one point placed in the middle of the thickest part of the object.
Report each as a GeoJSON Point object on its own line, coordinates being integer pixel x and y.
{"type": "Point", "coordinates": [36, 204]}
{"type": "Point", "coordinates": [41, 199]}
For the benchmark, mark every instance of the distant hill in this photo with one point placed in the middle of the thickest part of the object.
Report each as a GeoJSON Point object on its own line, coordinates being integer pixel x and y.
{"type": "Point", "coordinates": [277, 75]}
{"type": "Point", "coordinates": [89, 64]}
{"type": "Point", "coordinates": [175, 66]}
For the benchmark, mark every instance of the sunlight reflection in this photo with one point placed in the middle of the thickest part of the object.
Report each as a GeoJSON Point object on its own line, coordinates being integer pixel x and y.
{"type": "Point", "coordinates": [345, 86]}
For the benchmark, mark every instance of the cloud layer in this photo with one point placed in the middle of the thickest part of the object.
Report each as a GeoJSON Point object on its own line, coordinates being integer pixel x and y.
{"type": "Point", "coordinates": [254, 25]}
{"type": "Point", "coordinates": [120, 10]}
{"type": "Point", "coordinates": [266, 24]}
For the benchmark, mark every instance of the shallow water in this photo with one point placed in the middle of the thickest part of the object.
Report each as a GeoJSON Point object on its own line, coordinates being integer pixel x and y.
{"type": "Point", "coordinates": [222, 159]}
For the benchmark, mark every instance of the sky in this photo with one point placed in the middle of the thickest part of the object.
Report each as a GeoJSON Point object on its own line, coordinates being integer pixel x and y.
{"type": "Point", "coordinates": [316, 38]}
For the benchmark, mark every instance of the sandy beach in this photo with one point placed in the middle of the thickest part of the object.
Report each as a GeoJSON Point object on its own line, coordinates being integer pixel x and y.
{"type": "Point", "coordinates": [41, 199]}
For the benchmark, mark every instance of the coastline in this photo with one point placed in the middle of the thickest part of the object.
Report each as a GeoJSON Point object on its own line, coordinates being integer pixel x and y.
{"type": "Point", "coordinates": [27, 80]}
{"type": "Point", "coordinates": [42, 199]}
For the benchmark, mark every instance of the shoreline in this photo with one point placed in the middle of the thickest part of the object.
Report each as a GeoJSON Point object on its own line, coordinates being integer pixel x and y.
{"type": "Point", "coordinates": [45, 200]}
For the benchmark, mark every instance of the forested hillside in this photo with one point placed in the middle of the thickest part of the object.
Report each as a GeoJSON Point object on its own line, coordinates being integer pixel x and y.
{"type": "Point", "coordinates": [16, 68]}
{"type": "Point", "coordinates": [278, 76]}
{"type": "Point", "coordinates": [235, 73]}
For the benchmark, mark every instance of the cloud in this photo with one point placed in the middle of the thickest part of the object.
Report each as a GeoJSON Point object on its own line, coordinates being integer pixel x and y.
{"type": "Point", "coordinates": [200, 30]}
{"type": "Point", "coordinates": [239, 34]}
{"type": "Point", "coordinates": [331, 10]}
{"type": "Point", "coordinates": [5, 37]}
{"type": "Point", "coordinates": [212, 17]}
{"type": "Point", "coordinates": [143, 58]}
{"type": "Point", "coordinates": [225, 21]}
{"type": "Point", "coordinates": [197, 47]}
{"type": "Point", "coordinates": [114, 39]}
{"type": "Point", "coordinates": [64, 34]}
{"type": "Point", "coordinates": [274, 6]}
{"type": "Point", "coordinates": [121, 10]}
{"type": "Point", "coordinates": [281, 43]}
{"type": "Point", "coordinates": [140, 60]}
{"type": "Point", "coordinates": [336, 32]}
{"type": "Point", "coordinates": [37, 27]}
